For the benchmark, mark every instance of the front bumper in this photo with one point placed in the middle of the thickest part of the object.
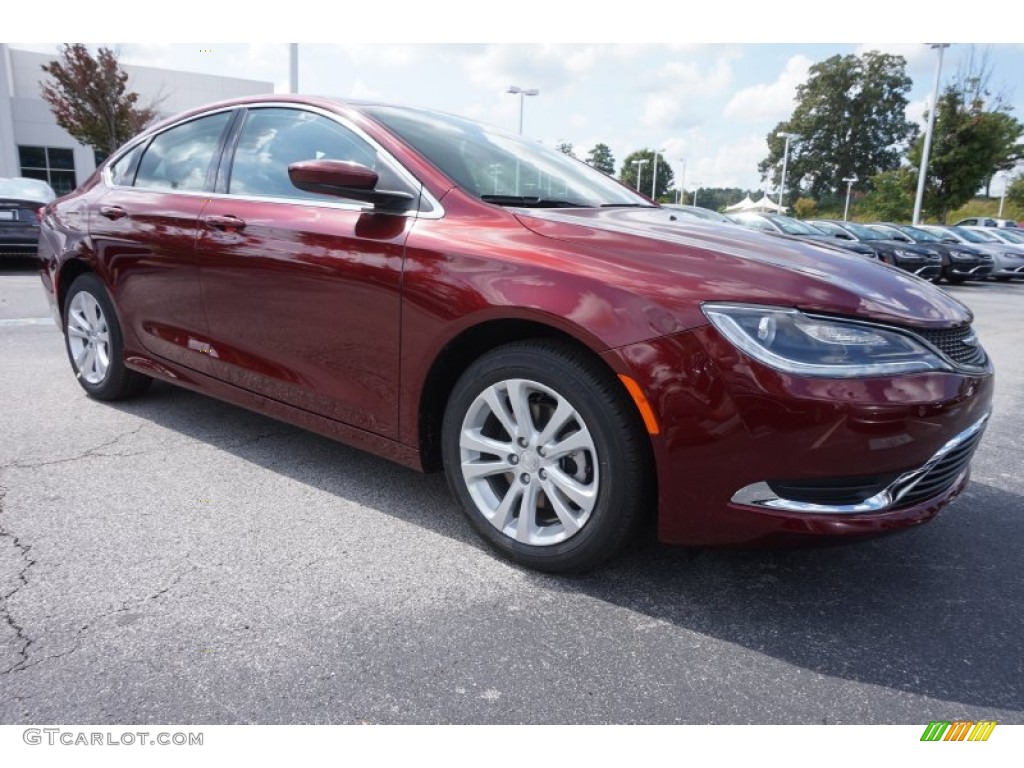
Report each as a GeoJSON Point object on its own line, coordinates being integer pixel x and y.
{"type": "Point", "coordinates": [727, 424]}
{"type": "Point", "coordinates": [946, 469]}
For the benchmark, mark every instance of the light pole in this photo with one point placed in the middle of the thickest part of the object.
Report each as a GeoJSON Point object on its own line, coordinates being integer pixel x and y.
{"type": "Point", "coordinates": [639, 170]}
{"type": "Point", "coordinates": [785, 160]}
{"type": "Point", "coordinates": [849, 185]}
{"type": "Point", "coordinates": [654, 176]}
{"type": "Point", "coordinates": [293, 68]}
{"type": "Point", "coordinates": [682, 185]}
{"type": "Point", "coordinates": [922, 172]}
{"type": "Point", "coordinates": [696, 189]}
{"type": "Point", "coordinates": [523, 93]}
{"type": "Point", "coordinates": [1002, 199]}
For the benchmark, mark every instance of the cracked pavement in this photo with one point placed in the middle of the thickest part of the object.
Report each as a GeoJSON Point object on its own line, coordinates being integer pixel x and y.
{"type": "Point", "coordinates": [173, 559]}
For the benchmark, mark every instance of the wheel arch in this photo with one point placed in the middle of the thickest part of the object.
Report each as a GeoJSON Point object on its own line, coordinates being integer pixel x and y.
{"type": "Point", "coordinates": [69, 271]}
{"type": "Point", "coordinates": [461, 351]}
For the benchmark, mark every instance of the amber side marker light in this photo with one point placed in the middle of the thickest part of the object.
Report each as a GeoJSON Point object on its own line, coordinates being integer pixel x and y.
{"type": "Point", "coordinates": [641, 403]}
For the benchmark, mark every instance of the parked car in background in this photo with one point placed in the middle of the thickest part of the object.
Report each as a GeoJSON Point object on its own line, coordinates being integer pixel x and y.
{"type": "Point", "coordinates": [774, 224]}
{"type": "Point", "coordinates": [696, 212]}
{"type": "Point", "coordinates": [1005, 260]}
{"type": "Point", "coordinates": [21, 200]}
{"type": "Point", "coordinates": [1007, 235]}
{"type": "Point", "coordinates": [913, 258]}
{"type": "Point", "coordinates": [986, 221]}
{"type": "Point", "coordinates": [1010, 258]}
{"type": "Point", "coordinates": [452, 296]}
{"type": "Point", "coordinates": [960, 262]}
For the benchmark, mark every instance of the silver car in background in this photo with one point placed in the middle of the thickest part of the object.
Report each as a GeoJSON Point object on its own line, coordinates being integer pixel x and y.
{"type": "Point", "coordinates": [1008, 257]}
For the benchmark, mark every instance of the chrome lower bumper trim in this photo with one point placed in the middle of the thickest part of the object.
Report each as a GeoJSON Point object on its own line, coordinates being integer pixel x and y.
{"type": "Point", "coordinates": [761, 495]}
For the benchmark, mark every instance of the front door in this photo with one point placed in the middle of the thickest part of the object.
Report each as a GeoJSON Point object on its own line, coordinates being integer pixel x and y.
{"type": "Point", "coordinates": [303, 291]}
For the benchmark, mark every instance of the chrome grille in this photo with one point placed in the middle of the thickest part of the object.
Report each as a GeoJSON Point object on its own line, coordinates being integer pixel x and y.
{"type": "Point", "coordinates": [950, 342]}
{"type": "Point", "coordinates": [942, 475]}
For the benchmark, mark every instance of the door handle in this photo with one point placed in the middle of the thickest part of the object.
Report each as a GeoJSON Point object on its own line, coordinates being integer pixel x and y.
{"type": "Point", "coordinates": [225, 223]}
{"type": "Point", "coordinates": [113, 212]}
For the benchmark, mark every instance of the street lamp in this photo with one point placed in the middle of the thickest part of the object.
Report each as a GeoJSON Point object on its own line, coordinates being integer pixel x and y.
{"type": "Point", "coordinates": [696, 189]}
{"type": "Point", "coordinates": [785, 160]}
{"type": "Point", "coordinates": [640, 167]}
{"type": "Point", "coordinates": [849, 185]}
{"type": "Point", "coordinates": [654, 176]}
{"type": "Point", "coordinates": [293, 68]}
{"type": "Point", "coordinates": [1006, 183]}
{"type": "Point", "coordinates": [923, 170]}
{"type": "Point", "coordinates": [523, 93]}
{"type": "Point", "coordinates": [682, 185]}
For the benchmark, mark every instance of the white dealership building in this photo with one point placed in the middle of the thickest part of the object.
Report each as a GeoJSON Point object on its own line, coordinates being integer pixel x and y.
{"type": "Point", "coordinates": [33, 145]}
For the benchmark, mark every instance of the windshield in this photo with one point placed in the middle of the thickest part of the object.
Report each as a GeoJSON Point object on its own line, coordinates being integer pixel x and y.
{"type": "Point", "coordinates": [889, 233]}
{"type": "Point", "coordinates": [973, 236]}
{"type": "Point", "coordinates": [862, 232]}
{"type": "Point", "coordinates": [501, 167]}
{"type": "Point", "coordinates": [921, 235]}
{"type": "Point", "coordinates": [794, 227]}
{"type": "Point", "coordinates": [1011, 236]}
{"type": "Point", "coordinates": [26, 189]}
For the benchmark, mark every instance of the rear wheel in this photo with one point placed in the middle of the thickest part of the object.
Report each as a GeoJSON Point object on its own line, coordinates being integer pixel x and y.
{"type": "Point", "coordinates": [94, 342]}
{"type": "Point", "coordinates": [546, 454]}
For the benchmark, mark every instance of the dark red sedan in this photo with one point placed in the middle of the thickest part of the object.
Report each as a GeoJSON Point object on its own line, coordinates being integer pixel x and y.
{"type": "Point", "coordinates": [574, 357]}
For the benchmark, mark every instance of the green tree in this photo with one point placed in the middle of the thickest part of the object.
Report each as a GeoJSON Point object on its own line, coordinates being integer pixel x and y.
{"type": "Point", "coordinates": [1015, 192]}
{"type": "Point", "coordinates": [90, 99]}
{"type": "Point", "coordinates": [891, 196]}
{"type": "Point", "coordinates": [849, 121]}
{"type": "Point", "coordinates": [600, 156]}
{"type": "Point", "coordinates": [970, 142]}
{"type": "Point", "coordinates": [565, 147]}
{"type": "Point", "coordinates": [628, 174]}
{"type": "Point", "coordinates": [805, 208]}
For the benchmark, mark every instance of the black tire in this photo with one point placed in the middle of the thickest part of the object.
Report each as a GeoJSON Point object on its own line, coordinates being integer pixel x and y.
{"type": "Point", "coordinates": [616, 469]}
{"type": "Point", "coordinates": [115, 381]}
{"type": "Point", "coordinates": [956, 279]}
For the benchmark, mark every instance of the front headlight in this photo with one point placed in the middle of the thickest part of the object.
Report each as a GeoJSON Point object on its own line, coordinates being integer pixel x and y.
{"type": "Point", "coordinates": [790, 341]}
{"type": "Point", "coordinates": [961, 255]}
{"type": "Point", "coordinates": [904, 254]}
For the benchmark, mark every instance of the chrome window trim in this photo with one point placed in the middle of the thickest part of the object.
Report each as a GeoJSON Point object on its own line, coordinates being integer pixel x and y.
{"type": "Point", "coordinates": [759, 494]}
{"type": "Point", "coordinates": [436, 209]}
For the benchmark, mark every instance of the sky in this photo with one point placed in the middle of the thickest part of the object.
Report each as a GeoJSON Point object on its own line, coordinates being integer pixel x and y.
{"type": "Point", "coordinates": [711, 104]}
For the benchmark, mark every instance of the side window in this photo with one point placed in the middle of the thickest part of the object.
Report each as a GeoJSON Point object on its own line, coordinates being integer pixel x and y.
{"type": "Point", "coordinates": [179, 159]}
{"type": "Point", "coordinates": [273, 138]}
{"type": "Point", "coordinates": [123, 169]}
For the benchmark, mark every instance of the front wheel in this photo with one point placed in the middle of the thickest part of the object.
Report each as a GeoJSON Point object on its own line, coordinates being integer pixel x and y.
{"type": "Point", "coordinates": [547, 455]}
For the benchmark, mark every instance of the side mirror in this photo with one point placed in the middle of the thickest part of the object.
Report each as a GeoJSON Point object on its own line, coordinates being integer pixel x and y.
{"type": "Point", "coordinates": [341, 178]}
{"type": "Point", "coordinates": [844, 235]}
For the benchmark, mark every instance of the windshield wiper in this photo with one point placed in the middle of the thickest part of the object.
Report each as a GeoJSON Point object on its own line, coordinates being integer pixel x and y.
{"type": "Point", "coordinates": [524, 201]}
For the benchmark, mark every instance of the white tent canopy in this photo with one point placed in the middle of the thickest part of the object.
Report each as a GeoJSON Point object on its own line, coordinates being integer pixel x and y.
{"type": "Point", "coordinates": [764, 204]}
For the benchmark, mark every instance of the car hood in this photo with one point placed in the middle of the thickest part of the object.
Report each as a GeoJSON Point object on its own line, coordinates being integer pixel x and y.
{"type": "Point", "coordinates": [680, 263]}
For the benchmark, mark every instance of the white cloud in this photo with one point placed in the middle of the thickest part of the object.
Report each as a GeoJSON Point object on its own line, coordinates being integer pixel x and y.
{"type": "Point", "coordinates": [679, 89]}
{"type": "Point", "coordinates": [915, 111]}
{"type": "Point", "coordinates": [545, 66]}
{"type": "Point", "coordinates": [770, 101]}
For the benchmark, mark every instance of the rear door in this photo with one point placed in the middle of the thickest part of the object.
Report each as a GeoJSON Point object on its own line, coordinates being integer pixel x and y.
{"type": "Point", "coordinates": [144, 230]}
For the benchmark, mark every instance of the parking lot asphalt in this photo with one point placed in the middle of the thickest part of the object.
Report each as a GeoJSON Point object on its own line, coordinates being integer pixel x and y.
{"type": "Point", "coordinates": [173, 559]}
